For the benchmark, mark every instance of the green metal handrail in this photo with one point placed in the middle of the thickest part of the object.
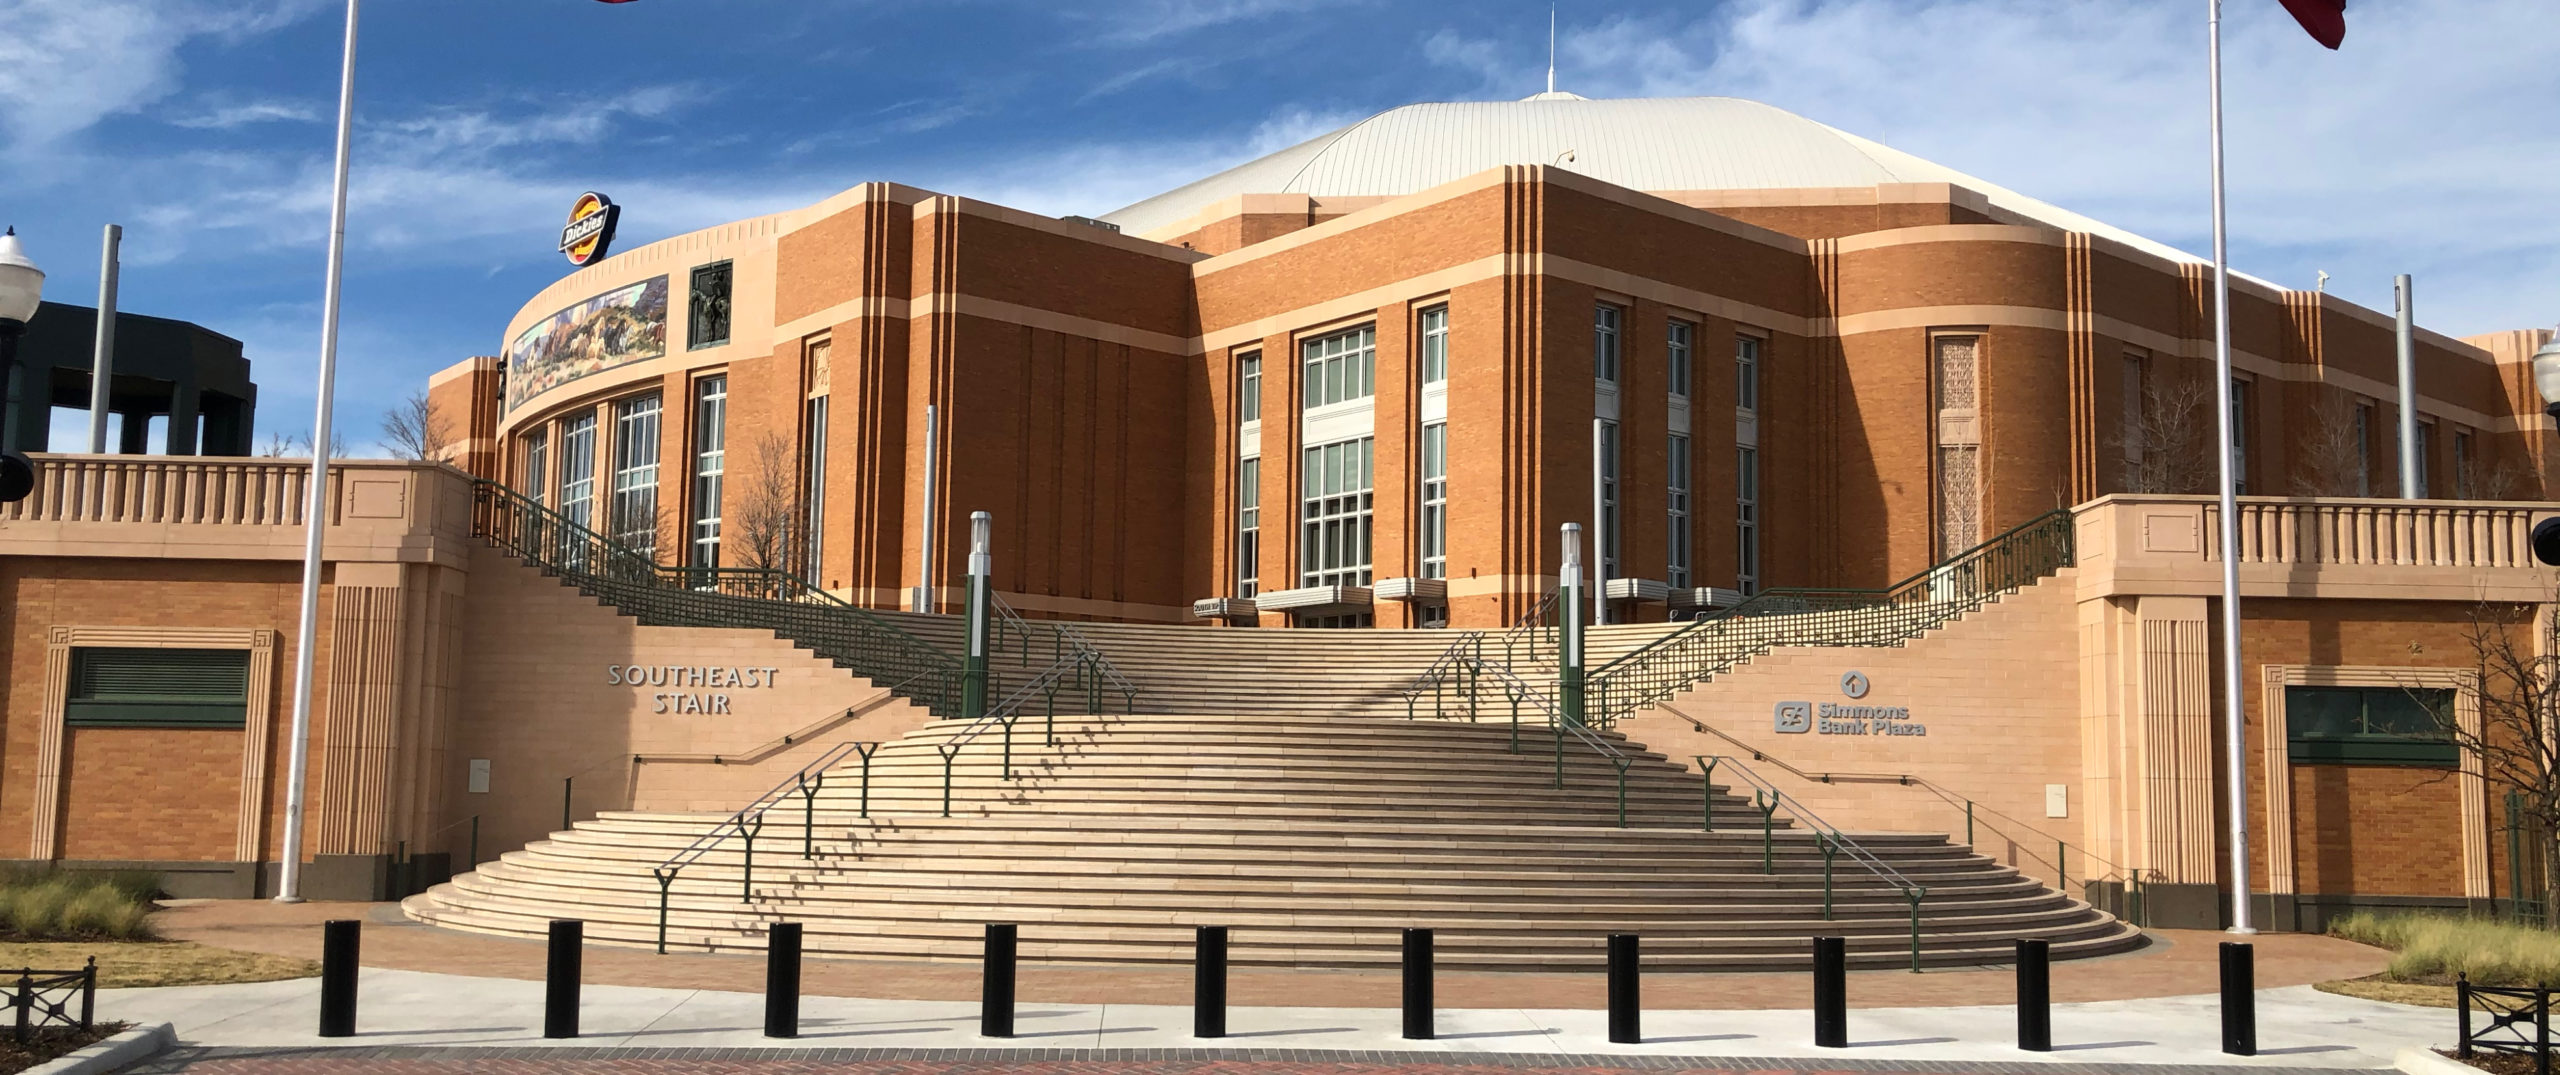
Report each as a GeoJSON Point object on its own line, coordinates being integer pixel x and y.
{"type": "Point", "coordinates": [1767, 797]}
{"type": "Point", "coordinates": [1064, 642]}
{"type": "Point", "coordinates": [1463, 657]}
{"type": "Point", "coordinates": [748, 822]}
{"type": "Point", "coordinates": [632, 580]}
{"type": "Point", "coordinates": [1830, 617]}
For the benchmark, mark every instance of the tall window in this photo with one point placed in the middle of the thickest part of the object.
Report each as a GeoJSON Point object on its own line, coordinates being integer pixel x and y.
{"type": "Point", "coordinates": [1248, 389]}
{"type": "Point", "coordinates": [2426, 462]}
{"type": "Point", "coordinates": [1959, 461]}
{"type": "Point", "coordinates": [1676, 566]}
{"type": "Point", "coordinates": [1604, 344]}
{"type": "Point", "coordinates": [578, 470]}
{"type": "Point", "coordinates": [1342, 367]}
{"type": "Point", "coordinates": [2130, 386]}
{"type": "Point", "coordinates": [1249, 527]}
{"type": "Point", "coordinates": [1746, 372]}
{"type": "Point", "coordinates": [710, 452]}
{"type": "Point", "coordinates": [1333, 547]}
{"type": "Point", "coordinates": [1435, 345]}
{"type": "Point", "coordinates": [813, 462]}
{"type": "Point", "coordinates": [1746, 519]}
{"type": "Point", "coordinates": [1435, 500]}
{"type": "Point", "coordinates": [634, 515]}
{"type": "Point", "coordinates": [2462, 465]}
{"type": "Point", "coordinates": [536, 483]}
{"type": "Point", "coordinates": [1676, 353]}
{"type": "Point", "coordinates": [2239, 436]}
{"type": "Point", "coordinates": [1609, 537]}
{"type": "Point", "coordinates": [2364, 450]}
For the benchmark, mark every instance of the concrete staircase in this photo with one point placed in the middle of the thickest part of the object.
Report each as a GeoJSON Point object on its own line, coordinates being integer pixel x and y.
{"type": "Point", "coordinates": [1314, 838]}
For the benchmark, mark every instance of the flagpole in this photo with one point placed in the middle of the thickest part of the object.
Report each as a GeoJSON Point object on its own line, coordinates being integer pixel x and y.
{"type": "Point", "coordinates": [315, 502]}
{"type": "Point", "coordinates": [2235, 739]}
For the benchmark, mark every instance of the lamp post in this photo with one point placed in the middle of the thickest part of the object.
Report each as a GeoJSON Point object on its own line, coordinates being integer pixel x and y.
{"type": "Point", "coordinates": [21, 292]}
{"type": "Point", "coordinates": [2546, 380]}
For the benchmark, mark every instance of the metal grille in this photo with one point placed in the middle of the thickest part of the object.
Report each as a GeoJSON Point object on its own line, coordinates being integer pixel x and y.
{"type": "Point", "coordinates": [1959, 498]}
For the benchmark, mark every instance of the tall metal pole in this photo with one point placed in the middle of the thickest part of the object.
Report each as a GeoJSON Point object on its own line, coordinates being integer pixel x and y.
{"type": "Point", "coordinates": [924, 557]}
{"type": "Point", "coordinates": [2235, 730]}
{"type": "Point", "coordinates": [102, 366]}
{"type": "Point", "coordinates": [980, 612]}
{"type": "Point", "coordinates": [1569, 610]}
{"type": "Point", "coordinates": [315, 502]}
{"type": "Point", "coordinates": [2408, 356]}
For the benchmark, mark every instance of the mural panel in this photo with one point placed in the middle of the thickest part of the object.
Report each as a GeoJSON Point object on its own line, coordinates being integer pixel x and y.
{"type": "Point", "coordinates": [619, 327]}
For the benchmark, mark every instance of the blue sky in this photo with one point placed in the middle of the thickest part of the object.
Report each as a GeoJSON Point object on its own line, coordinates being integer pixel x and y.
{"type": "Point", "coordinates": [2431, 145]}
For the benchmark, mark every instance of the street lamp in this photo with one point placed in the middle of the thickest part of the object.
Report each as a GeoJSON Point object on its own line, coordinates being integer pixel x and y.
{"type": "Point", "coordinates": [21, 291]}
{"type": "Point", "coordinates": [2546, 380]}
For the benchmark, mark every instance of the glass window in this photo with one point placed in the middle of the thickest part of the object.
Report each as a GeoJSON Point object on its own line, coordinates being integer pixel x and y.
{"type": "Point", "coordinates": [1746, 519]}
{"type": "Point", "coordinates": [1249, 389]}
{"type": "Point", "coordinates": [710, 441]}
{"type": "Point", "coordinates": [2426, 461]}
{"type": "Point", "coordinates": [1342, 367]}
{"type": "Point", "coordinates": [1604, 344]}
{"type": "Point", "coordinates": [1333, 547]}
{"type": "Point", "coordinates": [2462, 465]}
{"type": "Point", "coordinates": [1609, 537]}
{"type": "Point", "coordinates": [2239, 436]}
{"type": "Point", "coordinates": [813, 490]}
{"type": "Point", "coordinates": [2370, 725]}
{"type": "Point", "coordinates": [2364, 450]}
{"type": "Point", "coordinates": [1677, 354]}
{"type": "Point", "coordinates": [578, 470]}
{"type": "Point", "coordinates": [634, 514]}
{"type": "Point", "coordinates": [1746, 372]}
{"type": "Point", "coordinates": [536, 466]}
{"type": "Point", "coordinates": [190, 688]}
{"type": "Point", "coordinates": [1435, 345]}
{"type": "Point", "coordinates": [1435, 501]}
{"type": "Point", "coordinates": [1248, 528]}
{"type": "Point", "coordinates": [1676, 566]}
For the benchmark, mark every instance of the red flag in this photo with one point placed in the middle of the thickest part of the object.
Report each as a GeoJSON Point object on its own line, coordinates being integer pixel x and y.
{"type": "Point", "coordinates": [2326, 19]}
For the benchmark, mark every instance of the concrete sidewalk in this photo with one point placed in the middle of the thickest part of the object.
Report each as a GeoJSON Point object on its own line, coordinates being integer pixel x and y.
{"type": "Point", "coordinates": [2298, 1027]}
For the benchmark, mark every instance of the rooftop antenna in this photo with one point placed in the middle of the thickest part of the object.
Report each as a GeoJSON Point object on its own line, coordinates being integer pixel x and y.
{"type": "Point", "coordinates": [2321, 285]}
{"type": "Point", "coordinates": [1551, 48]}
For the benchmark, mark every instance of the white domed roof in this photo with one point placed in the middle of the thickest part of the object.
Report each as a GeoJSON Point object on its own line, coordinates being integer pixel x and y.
{"type": "Point", "coordinates": [1654, 144]}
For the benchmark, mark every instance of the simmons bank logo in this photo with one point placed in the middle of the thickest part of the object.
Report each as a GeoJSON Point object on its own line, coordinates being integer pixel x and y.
{"type": "Point", "coordinates": [589, 235]}
{"type": "Point", "coordinates": [1795, 717]}
{"type": "Point", "coordinates": [1839, 718]}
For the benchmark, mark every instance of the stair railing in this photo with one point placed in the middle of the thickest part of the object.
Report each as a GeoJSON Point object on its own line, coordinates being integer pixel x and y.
{"type": "Point", "coordinates": [1533, 632]}
{"type": "Point", "coordinates": [1520, 690]}
{"type": "Point", "coordinates": [2131, 878]}
{"type": "Point", "coordinates": [1085, 668]}
{"type": "Point", "coordinates": [1769, 799]}
{"type": "Point", "coordinates": [630, 578]}
{"type": "Point", "coordinates": [1826, 617]}
{"type": "Point", "coordinates": [748, 822]}
{"type": "Point", "coordinates": [1065, 642]}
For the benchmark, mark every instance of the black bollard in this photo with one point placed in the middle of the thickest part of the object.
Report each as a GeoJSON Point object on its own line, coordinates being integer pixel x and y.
{"type": "Point", "coordinates": [2239, 999]}
{"type": "Point", "coordinates": [1209, 983]}
{"type": "Point", "coordinates": [560, 993]}
{"type": "Point", "coordinates": [1626, 1004]}
{"type": "Point", "coordinates": [2035, 996]}
{"type": "Point", "coordinates": [995, 999]}
{"type": "Point", "coordinates": [782, 980]}
{"type": "Point", "coordinates": [1418, 1021]}
{"type": "Point", "coordinates": [1831, 992]}
{"type": "Point", "coordinates": [338, 945]}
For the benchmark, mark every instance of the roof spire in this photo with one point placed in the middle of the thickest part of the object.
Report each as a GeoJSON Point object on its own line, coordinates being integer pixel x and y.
{"type": "Point", "coordinates": [1551, 48]}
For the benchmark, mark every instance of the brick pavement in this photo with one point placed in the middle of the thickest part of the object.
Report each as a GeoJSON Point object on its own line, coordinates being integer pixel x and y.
{"type": "Point", "coordinates": [2182, 962]}
{"type": "Point", "coordinates": [439, 1061]}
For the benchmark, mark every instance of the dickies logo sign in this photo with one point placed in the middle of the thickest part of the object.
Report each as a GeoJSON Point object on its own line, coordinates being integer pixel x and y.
{"type": "Point", "coordinates": [589, 235]}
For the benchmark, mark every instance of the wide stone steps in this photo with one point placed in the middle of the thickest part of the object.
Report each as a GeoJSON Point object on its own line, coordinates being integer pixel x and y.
{"type": "Point", "coordinates": [1314, 838]}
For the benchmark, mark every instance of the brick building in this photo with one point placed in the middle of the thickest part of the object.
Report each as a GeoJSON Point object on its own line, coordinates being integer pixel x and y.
{"type": "Point", "coordinates": [1363, 379]}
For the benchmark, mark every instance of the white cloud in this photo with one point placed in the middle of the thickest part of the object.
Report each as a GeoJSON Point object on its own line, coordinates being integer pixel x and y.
{"type": "Point", "coordinates": [2426, 145]}
{"type": "Point", "coordinates": [1138, 22]}
{"type": "Point", "coordinates": [229, 117]}
{"type": "Point", "coordinates": [1095, 178]}
{"type": "Point", "coordinates": [66, 64]}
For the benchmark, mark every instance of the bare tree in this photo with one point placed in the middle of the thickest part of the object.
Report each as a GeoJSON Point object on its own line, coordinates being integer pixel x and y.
{"type": "Point", "coordinates": [2332, 460]}
{"type": "Point", "coordinates": [277, 446]}
{"type": "Point", "coordinates": [413, 430]}
{"type": "Point", "coordinates": [2517, 742]}
{"type": "Point", "coordinates": [2171, 450]}
{"type": "Point", "coordinates": [293, 445]}
{"type": "Point", "coordinates": [2507, 479]}
{"type": "Point", "coordinates": [762, 523]}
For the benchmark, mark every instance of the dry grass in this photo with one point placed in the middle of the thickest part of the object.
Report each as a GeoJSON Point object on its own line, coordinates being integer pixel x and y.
{"type": "Point", "coordinates": [2434, 948]}
{"type": "Point", "coordinates": [46, 905]}
{"type": "Point", "coordinates": [2384, 989]}
{"type": "Point", "coordinates": [127, 964]}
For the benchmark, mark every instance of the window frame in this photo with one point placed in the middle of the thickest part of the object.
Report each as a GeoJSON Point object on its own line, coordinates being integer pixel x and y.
{"type": "Point", "coordinates": [1679, 340]}
{"type": "Point", "coordinates": [80, 712]}
{"type": "Point", "coordinates": [709, 470]}
{"type": "Point", "coordinates": [1677, 554]}
{"type": "Point", "coordinates": [1249, 527]}
{"type": "Point", "coordinates": [1432, 535]}
{"type": "Point", "coordinates": [2369, 748]}
{"type": "Point", "coordinates": [1433, 325]}
{"type": "Point", "coordinates": [1608, 343]}
{"type": "Point", "coordinates": [1337, 513]}
{"type": "Point", "coordinates": [632, 484]}
{"type": "Point", "coordinates": [1339, 376]}
{"type": "Point", "coordinates": [1248, 388]}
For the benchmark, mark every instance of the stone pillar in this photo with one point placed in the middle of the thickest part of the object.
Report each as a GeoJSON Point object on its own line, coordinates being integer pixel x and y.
{"type": "Point", "coordinates": [182, 420]}
{"type": "Point", "coordinates": [135, 436]}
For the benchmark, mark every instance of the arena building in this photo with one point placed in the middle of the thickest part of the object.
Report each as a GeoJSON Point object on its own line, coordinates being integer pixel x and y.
{"type": "Point", "coordinates": [1893, 477]}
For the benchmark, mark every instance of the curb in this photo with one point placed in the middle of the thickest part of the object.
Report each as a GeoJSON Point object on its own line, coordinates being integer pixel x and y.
{"type": "Point", "coordinates": [2430, 1062]}
{"type": "Point", "coordinates": [123, 1050]}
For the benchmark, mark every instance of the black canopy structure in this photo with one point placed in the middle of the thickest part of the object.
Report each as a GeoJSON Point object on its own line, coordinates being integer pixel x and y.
{"type": "Point", "coordinates": [192, 375]}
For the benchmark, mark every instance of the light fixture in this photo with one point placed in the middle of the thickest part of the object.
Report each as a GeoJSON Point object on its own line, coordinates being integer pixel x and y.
{"type": "Point", "coordinates": [2546, 375]}
{"type": "Point", "coordinates": [21, 283]}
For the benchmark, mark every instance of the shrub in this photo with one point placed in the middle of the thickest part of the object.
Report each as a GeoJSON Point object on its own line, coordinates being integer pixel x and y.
{"type": "Point", "coordinates": [53, 905]}
{"type": "Point", "coordinates": [2436, 947]}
